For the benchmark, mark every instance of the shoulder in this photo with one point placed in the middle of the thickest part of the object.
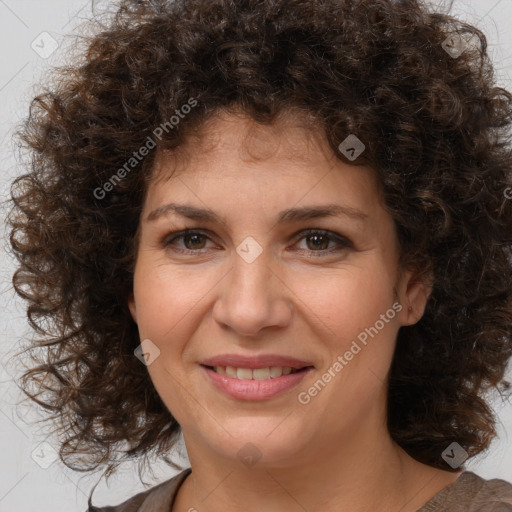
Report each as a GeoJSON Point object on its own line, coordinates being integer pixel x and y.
{"type": "Point", "coordinates": [156, 499]}
{"type": "Point", "coordinates": [472, 493]}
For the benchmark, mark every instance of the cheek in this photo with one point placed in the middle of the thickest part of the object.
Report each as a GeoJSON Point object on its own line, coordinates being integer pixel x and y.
{"type": "Point", "coordinates": [346, 300]}
{"type": "Point", "coordinates": [167, 298]}
{"type": "Point", "coordinates": [352, 314]}
{"type": "Point", "coordinates": [167, 306]}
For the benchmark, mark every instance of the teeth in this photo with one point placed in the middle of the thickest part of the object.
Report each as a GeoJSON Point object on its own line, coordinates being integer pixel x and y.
{"type": "Point", "coordinates": [243, 373]}
{"type": "Point", "coordinates": [231, 372]}
{"type": "Point", "coordinates": [276, 371]}
{"type": "Point", "coordinates": [261, 373]}
{"type": "Point", "coordinates": [256, 374]}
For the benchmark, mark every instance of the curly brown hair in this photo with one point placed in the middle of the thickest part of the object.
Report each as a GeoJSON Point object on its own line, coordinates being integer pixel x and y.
{"type": "Point", "coordinates": [437, 133]}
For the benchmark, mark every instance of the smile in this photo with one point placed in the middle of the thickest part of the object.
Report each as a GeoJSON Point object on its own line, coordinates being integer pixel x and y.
{"type": "Point", "coordinates": [272, 372]}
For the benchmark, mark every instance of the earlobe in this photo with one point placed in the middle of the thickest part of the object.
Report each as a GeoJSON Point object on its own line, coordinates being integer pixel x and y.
{"type": "Point", "coordinates": [132, 307]}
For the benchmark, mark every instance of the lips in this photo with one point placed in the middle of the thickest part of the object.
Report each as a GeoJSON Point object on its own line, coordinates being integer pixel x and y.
{"type": "Point", "coordinates": [242, 387]}
{"type": "Point", "coordinates": [254, 389]}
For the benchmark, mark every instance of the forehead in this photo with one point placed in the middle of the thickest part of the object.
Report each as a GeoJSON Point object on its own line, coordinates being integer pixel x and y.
{"type": "Point", "coordinates": [292, 137]}
{"type": "Point", "coordinates": [232, 158]}
{"type": "Point", "coordinates": [294, 140]}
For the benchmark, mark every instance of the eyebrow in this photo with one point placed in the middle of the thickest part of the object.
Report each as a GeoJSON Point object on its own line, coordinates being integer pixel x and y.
{"type": "Point", "coordinates": [286, 216]}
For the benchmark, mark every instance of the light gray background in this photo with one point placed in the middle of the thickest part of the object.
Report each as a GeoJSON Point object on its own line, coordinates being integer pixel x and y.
{"type": "Point", "coordinates": [24, 485]}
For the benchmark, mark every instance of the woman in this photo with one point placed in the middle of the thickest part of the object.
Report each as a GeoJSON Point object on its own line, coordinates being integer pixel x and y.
{"type": "Point", "coordinates": [282, 229]}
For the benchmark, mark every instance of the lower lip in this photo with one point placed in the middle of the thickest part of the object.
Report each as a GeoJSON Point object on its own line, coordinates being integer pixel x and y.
{"type": "Point", "coordinates": [255, 389]}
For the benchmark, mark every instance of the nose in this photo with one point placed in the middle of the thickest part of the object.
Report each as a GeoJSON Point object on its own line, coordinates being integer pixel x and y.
{"type": "Point", "coordinates": [254, 296]}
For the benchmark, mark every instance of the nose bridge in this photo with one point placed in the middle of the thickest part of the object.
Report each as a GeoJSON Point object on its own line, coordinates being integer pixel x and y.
{"type": "Point", "coordinates": [252, 276]}
{"type": "Point", "coordinates": [251, 298]}
{"type": "Point", "coordinates": [251, 267]}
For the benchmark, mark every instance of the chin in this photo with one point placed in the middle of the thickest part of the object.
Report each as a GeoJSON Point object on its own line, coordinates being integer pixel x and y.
{"type": "Point", "coordinates": [263, 442]}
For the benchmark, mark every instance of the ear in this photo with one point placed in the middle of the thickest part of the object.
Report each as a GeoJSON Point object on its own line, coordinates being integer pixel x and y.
{"type": "Point", "coordinates": [132, 307]}
{"type": "Point", "coordinates": [414, 289]}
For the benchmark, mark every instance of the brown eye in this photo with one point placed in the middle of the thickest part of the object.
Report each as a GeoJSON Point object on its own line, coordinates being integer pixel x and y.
{"type": "Point", "coordinates": [193, 241]}
{"type": "Point", "coordinates": [317, 242]}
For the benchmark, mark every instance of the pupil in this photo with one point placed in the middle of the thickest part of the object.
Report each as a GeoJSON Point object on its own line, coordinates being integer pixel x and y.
{"type": "Point", "coordinates": [316, 238]}
{"type": "Point", "coordinates": [189, 237]}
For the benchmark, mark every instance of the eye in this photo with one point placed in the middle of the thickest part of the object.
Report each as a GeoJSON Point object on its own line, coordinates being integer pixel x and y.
{"type": "Point", "coordinates": [191, 238]}
{"type": "Point", "coordinates": [320, 239]}
{"type": "Point", "coordinates": [317, 241]}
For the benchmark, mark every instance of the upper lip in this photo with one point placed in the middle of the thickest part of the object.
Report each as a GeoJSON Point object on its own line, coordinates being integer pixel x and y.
{"type": "Point", "coordinates": [252, 362]}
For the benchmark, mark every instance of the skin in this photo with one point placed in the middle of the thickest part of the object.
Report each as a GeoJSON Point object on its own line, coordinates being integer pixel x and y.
{"type": "Point", "coordinates": [334, 453]}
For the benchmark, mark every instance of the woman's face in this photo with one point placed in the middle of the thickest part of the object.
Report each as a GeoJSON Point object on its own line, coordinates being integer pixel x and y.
{"type": "Point", "coordinates": [253, 284]}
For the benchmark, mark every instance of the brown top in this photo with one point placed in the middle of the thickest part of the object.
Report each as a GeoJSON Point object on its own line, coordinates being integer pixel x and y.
{"type": "Point", "coordinates": [469, 493]}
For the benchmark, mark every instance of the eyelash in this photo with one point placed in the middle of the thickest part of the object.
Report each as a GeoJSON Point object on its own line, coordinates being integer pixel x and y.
{"type": "Point", "coordinates": [342, 241]}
